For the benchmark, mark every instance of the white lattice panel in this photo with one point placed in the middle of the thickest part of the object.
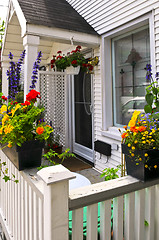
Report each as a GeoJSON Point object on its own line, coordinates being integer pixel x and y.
{"type": "Point", "coordinates": [53, 98]}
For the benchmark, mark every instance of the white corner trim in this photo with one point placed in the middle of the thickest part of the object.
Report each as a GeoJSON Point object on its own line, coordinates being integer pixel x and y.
{"type": "Point", "coordinates": [20, 16]}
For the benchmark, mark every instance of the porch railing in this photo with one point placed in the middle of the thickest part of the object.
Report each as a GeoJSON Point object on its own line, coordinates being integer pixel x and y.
{"type": "Point", "coordinates": [40, 206]}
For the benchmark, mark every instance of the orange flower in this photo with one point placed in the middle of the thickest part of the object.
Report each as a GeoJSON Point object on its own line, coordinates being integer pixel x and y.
{"type": "Point", "coordinates": [133, 129]}
{"type": "Point", "coordinates": [48, 126]}
{"type": "Point", "coordinates": [40, 130]}
{"type": "Point", "coordinates": [141, 129]}
{"type": "Point", "coordinates": [124, 135]}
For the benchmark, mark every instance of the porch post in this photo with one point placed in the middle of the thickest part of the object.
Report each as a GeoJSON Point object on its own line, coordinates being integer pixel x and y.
{"type": "Point", "coordinates": [56, 193]}
{"type": "Point", "coordinates": [30, 44]}
{"type": "Point", "coordinates": [5, 82]}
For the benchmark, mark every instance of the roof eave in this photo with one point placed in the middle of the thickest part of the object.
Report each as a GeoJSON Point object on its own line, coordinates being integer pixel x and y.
{"type": "Point", "coordinates": [63, 35]}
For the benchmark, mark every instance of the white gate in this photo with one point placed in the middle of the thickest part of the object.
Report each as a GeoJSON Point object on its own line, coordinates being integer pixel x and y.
{"type": "Point", "coordinates": [52, 86]}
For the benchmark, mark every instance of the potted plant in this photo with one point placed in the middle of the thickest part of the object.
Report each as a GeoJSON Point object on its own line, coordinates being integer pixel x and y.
{"type": "Point", "coordinates": [53, 142]}
{"type": "Point", "coordinates": [140, 144]}
{"type": "Point", "coordinates": [72, 62]}
{"type": "Point", "coordinates": [22, 133]}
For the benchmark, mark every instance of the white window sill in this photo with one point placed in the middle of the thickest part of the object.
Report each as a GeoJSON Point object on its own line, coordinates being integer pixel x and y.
{"type": "Point", "coordinates": [113, 133]}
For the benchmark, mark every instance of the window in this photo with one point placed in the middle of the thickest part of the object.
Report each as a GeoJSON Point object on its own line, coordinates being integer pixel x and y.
{"type": "Point", "coordinates": [130, 54]}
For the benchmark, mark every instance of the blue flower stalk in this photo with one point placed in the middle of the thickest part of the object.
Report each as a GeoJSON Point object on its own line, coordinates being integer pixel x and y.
{"type": "Point", "coordinates": [35, 70]}
{"type": "Point", "coordinates": [13, 74]}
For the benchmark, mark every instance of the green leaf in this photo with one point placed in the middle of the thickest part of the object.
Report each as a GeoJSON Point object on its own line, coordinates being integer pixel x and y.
{"type": "Point", "coordinates": [148, 109]}
{"type": "Point", "coordinates": [6, 178]}
{"type": "Point", "coordinates": [146, 223]}
{"type": "Point", "coordinates": [149, 98]}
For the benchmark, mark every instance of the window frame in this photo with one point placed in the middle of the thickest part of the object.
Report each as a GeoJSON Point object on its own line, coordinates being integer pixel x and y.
{"type": "Point", "coordinates": [108, 129]}
{"type": "Point", "coordinates": [113, 67]}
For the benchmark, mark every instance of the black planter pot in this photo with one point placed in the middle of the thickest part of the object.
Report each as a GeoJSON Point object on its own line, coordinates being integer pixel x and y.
{"type": "Point", "coordinates": [137, 169]}
{"type": "Point", "coordinates": [27, 156]}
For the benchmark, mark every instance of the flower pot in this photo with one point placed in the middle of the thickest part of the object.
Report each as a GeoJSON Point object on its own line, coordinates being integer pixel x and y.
{"type": "Point", "coordinates": [72, 70]}
{"type": "Point", "coordinates": [27, 156]}
{"type": "Point", "coordinates": [136, 168]}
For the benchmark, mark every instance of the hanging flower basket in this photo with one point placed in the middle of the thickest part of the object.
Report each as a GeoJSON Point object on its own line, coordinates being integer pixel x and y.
{"type": "Point", "coordinates": [72, 70]}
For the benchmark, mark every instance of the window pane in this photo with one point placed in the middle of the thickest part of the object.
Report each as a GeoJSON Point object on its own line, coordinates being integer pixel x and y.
{"type": "Point", "coordinates": [130, 55]}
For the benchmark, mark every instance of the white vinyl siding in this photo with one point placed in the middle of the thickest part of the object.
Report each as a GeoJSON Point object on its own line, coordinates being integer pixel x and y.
{"type": "Point", "coordinates": [104, 17]}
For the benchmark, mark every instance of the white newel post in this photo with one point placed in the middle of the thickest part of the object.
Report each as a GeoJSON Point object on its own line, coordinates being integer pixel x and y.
{"type": "Point", "coordinates": [56, 194]}
{"type": "Point", "coordinates": [5, 82]}
{"type": "Point", "coordinates": [31, 44]}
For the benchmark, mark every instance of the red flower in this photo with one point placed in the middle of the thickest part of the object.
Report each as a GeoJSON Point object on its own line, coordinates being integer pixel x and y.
{"type": "Point", "coordinates": [59, 57]}
{"type": "Point", "coordinates": [26, 103]}
{"type": "Point", "coordinates": [78, 47]}
{"type": "Point", "coordinates": [59, 52]}
{"type": "Point", "coordinates": [90, 68]}
{"type": "Point", "coordinates": [84, 65]}
{"type": "Point", "coordinates": [32, 95]}
{"type": "Point", "coordinates": [74, 62]}
{"type": "Point", "coordinates": [4, 98]}
{"type": "Point", "coordinates": [52, 61]}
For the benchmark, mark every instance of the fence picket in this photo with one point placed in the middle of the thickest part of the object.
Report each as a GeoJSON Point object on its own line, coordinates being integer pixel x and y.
{"type": "Point", "coordinates": [150, 213]}
{"type": "Point", "coordinates": [92, 221]}
{"type": "Point", "coordinates": [129, 216]}
{"type": "Point", "coordinates": [118, 218]}
{"type": "Point", "coordinates": [105, 220]}
{"type": "Point", "coordinates": [77, 224]}
{"type": "Point", "coordinates": [139, 214]}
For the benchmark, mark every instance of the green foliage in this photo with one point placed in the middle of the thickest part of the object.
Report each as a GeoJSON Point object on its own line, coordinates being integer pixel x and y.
{"type": "Point", "coordinates": [152, 98]}
{"type": "Point", "coordinates": [19, 97]}
{"type": "Point", "coordinates": [21, 124]}
{"type": "Point", "coordinates": [110, 173]}
{"type": "Point", "coordinates": [51, 157]}
{"type": "Point", "coordinates": [2, 28]}
{"type": "Point", "coordinates": [146, 223]}
{"type": "Point", "coordinates": [4, 172]}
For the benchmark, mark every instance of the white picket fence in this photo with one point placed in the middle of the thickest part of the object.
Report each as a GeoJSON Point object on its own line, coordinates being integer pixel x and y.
{"type": "Point", "coordinates": [37, 208]}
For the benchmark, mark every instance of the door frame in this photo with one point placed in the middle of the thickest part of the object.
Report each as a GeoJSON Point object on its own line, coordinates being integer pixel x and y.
{"type": "Point", "coordinates": [78, 149]}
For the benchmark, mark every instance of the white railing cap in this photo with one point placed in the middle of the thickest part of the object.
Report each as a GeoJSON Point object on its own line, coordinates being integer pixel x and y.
{"type": "Point", "coordinates": [55, 174]}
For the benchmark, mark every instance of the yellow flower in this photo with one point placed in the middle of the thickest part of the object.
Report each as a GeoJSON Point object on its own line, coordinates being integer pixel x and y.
{"type": "Point", "coordinates": [132, 154]}
{"type": "Point", "coordinates": [136, 113]}
{"type": "Point", "coordinates": [155, 166]}
{"type": "Point", "coordinates": [143, 137]}
{"type": "Point", "coordinates": [153, 130]}
{"type": "Point", "coordinates": [3, 109]}
{"type": "Point", "coordinates": [136, 141]}
{"type": "Point", "coordinates": [146, 155]}
{"type": "Point", "coordinates": [9, 145]}
{"type": "Point", "coordinates": [129, 145]}
{"type": "Point", "coordinates": [5, 118]}
{"type": "Point", "coordinates": [143, 142]}
{"type": "Point", "coordinates": [146, 132]}
{"type": "Point", "coordinates": [133, 148]}
{"type": "Point", "coordinates": [140, 159]}
{"type": "Point", "coordinates": [146, 166]}
{"type": "Point", "coordinates": [1, 130]}
{"type": "Point", "coordinates": [8, 129]}
{"type": "Point", "coordinates": [134, 133]}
